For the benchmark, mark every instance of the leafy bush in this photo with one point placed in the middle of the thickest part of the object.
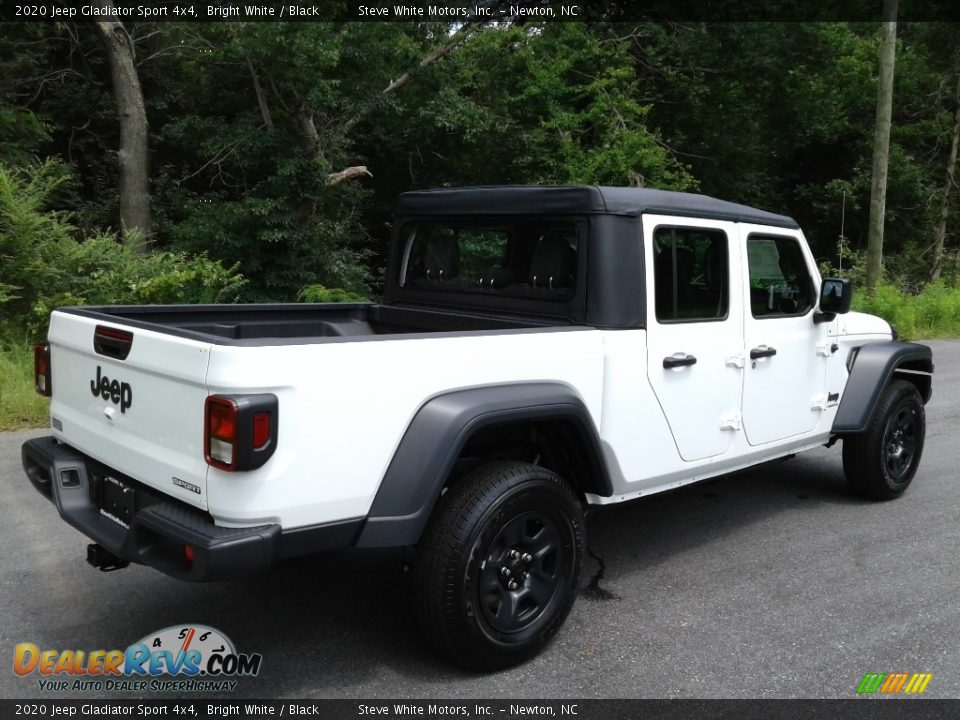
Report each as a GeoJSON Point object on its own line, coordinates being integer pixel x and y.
{"type": "Point", "coordinates": [916, 310]}
{"type": "Point", "coordinates": [321, 294]}
{"type": "Point", "coordinates": [28, 233]}
{"type": "Point", "coordinates": [853, 266]}
{"type": "Point", "coordinates": [43, 266]}
{"type": "Point", "coordinates": [290, 229]}
{"type": "Point", "coordinates": [99, 271]}
{"type": "Point", "coordinates": [933, 312]}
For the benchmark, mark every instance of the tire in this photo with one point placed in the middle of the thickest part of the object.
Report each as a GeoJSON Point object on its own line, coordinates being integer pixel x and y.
{"type": "Point", "coordinates": [503, 517]}
{"type": "Point", "coordinates": [881, 461]}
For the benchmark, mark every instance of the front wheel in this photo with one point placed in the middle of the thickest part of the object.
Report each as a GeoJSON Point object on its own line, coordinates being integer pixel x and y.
{"type": "Point", "coordinates": [497, 568]}
{"type": "Point", "coordinates": [881, 461]}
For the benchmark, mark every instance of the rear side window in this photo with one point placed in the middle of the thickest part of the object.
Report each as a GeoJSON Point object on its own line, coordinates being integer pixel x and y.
{"type": "Point", "coordinates": [690, 274]}
{"type": "Point", "coordinates": [780, 282]}
{"type": "Point", "coordinates": [515, 259]}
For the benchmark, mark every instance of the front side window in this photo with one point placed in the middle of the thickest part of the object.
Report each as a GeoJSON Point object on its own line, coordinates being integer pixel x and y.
{"type": "Point", "coordinates": [780, 282]}
{"type": "Point", "coordinates": [516, 259]}
{"type": "Point", "coordinates": [690, 274]}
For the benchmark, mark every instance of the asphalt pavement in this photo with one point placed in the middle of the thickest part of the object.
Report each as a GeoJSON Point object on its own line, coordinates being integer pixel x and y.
{"type": "Point", "coordinates": [769, 583]}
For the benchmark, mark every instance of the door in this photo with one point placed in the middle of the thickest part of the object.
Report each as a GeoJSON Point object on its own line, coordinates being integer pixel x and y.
{"type": "Point", "coordinates": [786, 352]}
{"type": "Point", "coordinates": [695, 330]}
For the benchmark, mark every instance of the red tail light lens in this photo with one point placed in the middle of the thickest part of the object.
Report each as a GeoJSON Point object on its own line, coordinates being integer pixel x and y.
{"type": "Point", "coordinates": [240, 431]}
{"type": "Point", "coordinates": [261, 430]}
{"type": "Point", "coordinates": [41, 369]}
{"type": "Point", "coordinates": [221, 430]}
{"type": "Point", "coordinates": [223, 420]}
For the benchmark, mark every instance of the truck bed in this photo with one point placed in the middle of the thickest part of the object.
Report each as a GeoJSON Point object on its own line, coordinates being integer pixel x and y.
{"type": "Point", "coordinates": [291, 323]}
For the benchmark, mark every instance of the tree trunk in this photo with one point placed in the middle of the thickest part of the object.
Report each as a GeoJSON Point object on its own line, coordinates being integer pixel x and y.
{"type": "Point", "coordinates": [940, 234]}
{"type": "Point", "coordinates": [308, 130]}
{"type": "Point", "coordinates": [881, 144]}
{"type": "Point", "coordinates": [261, 98]}
{"type": "Point", "coordinates": [132, 154]}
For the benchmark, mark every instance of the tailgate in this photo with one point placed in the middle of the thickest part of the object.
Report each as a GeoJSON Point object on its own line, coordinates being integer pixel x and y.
{"type": "Point", "coordinates": [141, 414]}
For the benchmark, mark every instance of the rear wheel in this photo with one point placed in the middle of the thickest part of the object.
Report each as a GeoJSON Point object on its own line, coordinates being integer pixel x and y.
{"type": "Point", "coordinates": [880, 462]}
{"type": "Point", "coordinates": [497, 569]}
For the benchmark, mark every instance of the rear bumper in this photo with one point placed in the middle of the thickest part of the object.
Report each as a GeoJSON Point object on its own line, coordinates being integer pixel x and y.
{"type": "Point", "coordinates": [160, 527]}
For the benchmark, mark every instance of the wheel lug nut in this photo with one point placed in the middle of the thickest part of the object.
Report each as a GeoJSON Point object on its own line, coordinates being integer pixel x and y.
{"type": "Point", "coordinates": [527, 557]}
{"type": "Point", "coordinates": [505, 571]}
{"type": "Point", "coordinates": [514, 554]}
{"type": "Point", "coordinates": [512, 585]}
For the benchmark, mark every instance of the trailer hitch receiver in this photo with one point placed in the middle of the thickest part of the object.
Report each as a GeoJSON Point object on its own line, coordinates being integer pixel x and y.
{"type": "Point", "coordinates": [101, 558]}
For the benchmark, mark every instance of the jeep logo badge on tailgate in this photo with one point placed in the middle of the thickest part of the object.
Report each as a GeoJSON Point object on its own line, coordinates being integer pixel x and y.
{"type": "Point", "coordinates": [112, 390]}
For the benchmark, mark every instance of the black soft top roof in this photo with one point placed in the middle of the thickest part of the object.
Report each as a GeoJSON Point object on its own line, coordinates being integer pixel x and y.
{"type": "Point", "coordinates": [578, 200]}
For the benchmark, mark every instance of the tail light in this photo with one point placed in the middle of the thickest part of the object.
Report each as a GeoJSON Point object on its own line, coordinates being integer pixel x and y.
{"type": "Point", "coordinates": [221, 432]}
{"type": "Point", "coordinates": [41, 369]}
{"type": "Point", "coordinates": [240, 431]}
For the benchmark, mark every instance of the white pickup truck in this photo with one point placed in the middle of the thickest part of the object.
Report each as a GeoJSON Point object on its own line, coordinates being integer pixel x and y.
{"type": "Point", "coordinates": [539, 351]}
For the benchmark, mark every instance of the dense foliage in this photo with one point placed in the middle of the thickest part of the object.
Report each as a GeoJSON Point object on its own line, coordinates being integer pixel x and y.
{"type": "Point", "coordinates": [248, 122]}
{"type": "Point", "coordinates": [43, 266]}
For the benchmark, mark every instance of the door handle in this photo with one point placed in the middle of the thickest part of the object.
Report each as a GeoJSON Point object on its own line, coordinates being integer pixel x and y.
{"type": "Point", "coordinates": [673, 361]}
{"type": "Point", "coordinates": [762, 352]}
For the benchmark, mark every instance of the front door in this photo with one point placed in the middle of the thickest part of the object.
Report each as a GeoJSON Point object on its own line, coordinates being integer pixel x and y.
{"type": "Point", "coordinates": [786, 352]}
{"type": "Point", "coordinates": [695, 330]}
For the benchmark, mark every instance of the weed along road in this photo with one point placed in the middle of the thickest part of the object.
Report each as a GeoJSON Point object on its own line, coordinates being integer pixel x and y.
{"type": "Point", "coordinates": [775, 582]}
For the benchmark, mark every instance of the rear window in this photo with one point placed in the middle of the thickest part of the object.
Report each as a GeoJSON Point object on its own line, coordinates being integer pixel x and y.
{"type": "Point", "coordinates": [510, 259]}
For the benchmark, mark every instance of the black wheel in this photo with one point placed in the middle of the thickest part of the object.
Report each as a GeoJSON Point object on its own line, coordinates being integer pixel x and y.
{"type": "Point", "coordinates": [880, 462]}
{"type": "Point", "coordinates": [497, 568]}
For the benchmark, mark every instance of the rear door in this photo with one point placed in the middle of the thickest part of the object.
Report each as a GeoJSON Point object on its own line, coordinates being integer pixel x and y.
{"type": "Point", "coordinates": [133, 400]}
{"type": "Point", "coordinates": [786, 352]}
{"type": "Point", "coordinates": [695, 330]}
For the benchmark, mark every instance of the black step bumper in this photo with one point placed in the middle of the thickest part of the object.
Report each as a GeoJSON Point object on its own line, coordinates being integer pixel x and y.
{"type": "Point", "coordinates": [159, 529]}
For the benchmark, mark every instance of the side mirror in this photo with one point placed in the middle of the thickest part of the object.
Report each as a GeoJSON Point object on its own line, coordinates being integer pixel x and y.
{"type": "Point", "coordinates": [836, 294]}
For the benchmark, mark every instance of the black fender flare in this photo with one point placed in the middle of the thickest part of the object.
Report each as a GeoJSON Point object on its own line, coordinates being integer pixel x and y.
{"type": "Point", "coordinates": [436, 436]}
{"type": "Point", "coordinates": [873, 366]}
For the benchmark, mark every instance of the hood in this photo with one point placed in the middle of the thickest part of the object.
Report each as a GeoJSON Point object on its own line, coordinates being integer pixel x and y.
{"type": "Point", "coordinates": [857, 323]}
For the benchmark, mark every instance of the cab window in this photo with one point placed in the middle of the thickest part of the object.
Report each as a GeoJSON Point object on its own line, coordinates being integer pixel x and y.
{"type": "Point", "coordinates": [780, 282]}
{"type": "Point", "coordinates": [690, 274]}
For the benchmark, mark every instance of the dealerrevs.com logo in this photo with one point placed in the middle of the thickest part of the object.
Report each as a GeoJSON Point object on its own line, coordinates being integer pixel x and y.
{"type": "Point", "coordinates": [201, 659]}
{"type": "Point", "coordinates": [894, 683]}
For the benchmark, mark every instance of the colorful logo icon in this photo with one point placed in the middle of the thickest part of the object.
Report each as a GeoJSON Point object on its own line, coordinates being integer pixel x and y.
{"type": "Point", "coordinates": [894, 683]}
{"type": "Point", "coordinates": [189, 650]}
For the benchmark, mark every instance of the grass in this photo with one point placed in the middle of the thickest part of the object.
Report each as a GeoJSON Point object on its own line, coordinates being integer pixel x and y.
{"type": "Point", "coordinates": [20, 406]}
{"type": "Point", "coordinates": [933, 313]}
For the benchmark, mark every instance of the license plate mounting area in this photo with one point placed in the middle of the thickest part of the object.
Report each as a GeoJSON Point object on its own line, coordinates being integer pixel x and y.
{"type": "Point", "coordinates": [117, 500]}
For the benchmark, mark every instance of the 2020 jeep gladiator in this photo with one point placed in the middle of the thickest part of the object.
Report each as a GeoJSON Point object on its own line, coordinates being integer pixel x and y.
{"type": "Point", "coordinates": [538, 351]}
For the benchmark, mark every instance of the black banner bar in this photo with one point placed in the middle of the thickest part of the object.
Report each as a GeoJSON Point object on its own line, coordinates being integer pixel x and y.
{"type": "Point", "coordinates": [856, 709]}
{"type": "Point", "coordinates": [469, 11]}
